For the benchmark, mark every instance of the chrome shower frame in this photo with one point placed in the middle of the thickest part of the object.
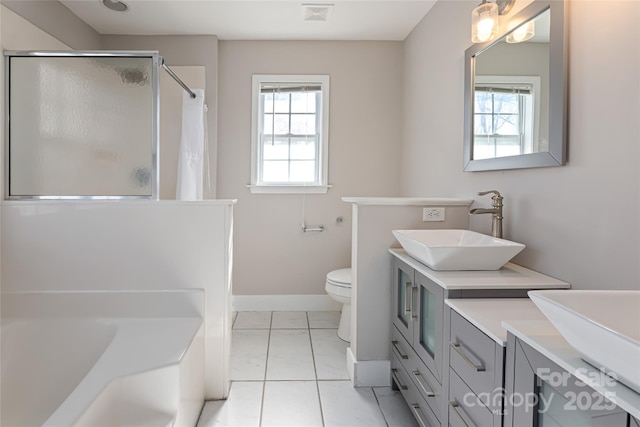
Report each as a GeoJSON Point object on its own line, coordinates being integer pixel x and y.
{"type": "Point", "coordinates": [155, 134]}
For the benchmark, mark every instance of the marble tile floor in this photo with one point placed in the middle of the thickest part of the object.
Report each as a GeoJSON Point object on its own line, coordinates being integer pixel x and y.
{"type": "Point", "coordinates": [289, 369]}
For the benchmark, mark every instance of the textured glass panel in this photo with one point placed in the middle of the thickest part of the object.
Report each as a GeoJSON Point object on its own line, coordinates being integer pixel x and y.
{"type": "Point", "coordinates": [81, 126]}
{"type": "Point", "coordinates": [553, 412]}
{"type": "Point", "coordinates": [427, 321]}
{"type": "Point", "coordinates": [403, 279]}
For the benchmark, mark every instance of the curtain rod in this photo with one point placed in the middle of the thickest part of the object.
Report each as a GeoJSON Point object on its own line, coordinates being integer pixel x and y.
{"type": "Point", "coordinates": [177, 79]}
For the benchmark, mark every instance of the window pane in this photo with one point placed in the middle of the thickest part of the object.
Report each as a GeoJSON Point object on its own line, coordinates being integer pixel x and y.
{"type": "Point", "coordinates": [275, 171]}
{"type": "Point", "coordinates": [507, 125]}
{"type": "Point", "coordinates": [303, 149]}
{"type": "Point", "coordinates": [303, 124]}
{"type": "Point", "coordinates": [506, 103]}
{"type": "Point", "coordinates": [275, 149]}
{"type": "Point", "coordinates": [267, 102]}
{"type": "Point", "coordinates": [483, 102]}
{"type": "Point", "coordinates": [303, 171]}
{"type": "Point", "coordinates": [303, 102]}
{"type": "Point", "coordinates": [281, 102]}
{"type": "Point", "coordinates": [281, 123]}
{"type": "Point", "coordinates": [482, 124]}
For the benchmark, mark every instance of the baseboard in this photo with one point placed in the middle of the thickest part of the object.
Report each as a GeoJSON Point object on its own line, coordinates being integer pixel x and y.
{"type": "Point", "coordinates": [368, 373]}
{"type": "Point", "coordinates": [284, 303]}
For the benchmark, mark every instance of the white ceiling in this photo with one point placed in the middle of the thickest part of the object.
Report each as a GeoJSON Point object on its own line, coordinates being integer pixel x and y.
{"type": "Point", "coordinates": [256, 20]}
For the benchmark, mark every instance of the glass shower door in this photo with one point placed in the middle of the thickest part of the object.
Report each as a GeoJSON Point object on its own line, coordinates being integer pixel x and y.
{"type": "Point", "coordinates": [82, 125]}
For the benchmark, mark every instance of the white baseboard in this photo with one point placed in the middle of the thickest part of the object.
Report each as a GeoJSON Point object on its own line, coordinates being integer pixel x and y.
{"type": "Point", "coordinates": [368, 373]}
{"type": "Point", "coordinates": [284, 303]}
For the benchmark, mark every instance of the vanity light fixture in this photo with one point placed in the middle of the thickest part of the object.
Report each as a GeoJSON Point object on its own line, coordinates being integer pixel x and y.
{"type": "Point", "coordinates": [115, 5]}
{"type": "Point", "coordinates": [484, 19]}
{"type": "Point", "coordinates": [523, 33]}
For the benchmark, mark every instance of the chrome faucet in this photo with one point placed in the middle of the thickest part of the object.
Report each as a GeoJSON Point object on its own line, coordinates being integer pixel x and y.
{"type": "Point", "coordinates": [495, 211]}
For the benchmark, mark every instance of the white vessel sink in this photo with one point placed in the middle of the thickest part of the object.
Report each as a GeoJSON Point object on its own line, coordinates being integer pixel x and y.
{"type": "Point", "coordinates": [457, 249]}
{"type": "Point", "coordinates": [603, 326]}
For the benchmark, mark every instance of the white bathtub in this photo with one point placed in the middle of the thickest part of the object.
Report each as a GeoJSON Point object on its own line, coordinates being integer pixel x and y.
{"type": "Point", "coordinates": [102, 358]}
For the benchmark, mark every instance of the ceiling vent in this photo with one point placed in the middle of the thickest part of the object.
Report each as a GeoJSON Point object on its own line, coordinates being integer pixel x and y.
{"type": "Point", "coordinates": [316, 11]}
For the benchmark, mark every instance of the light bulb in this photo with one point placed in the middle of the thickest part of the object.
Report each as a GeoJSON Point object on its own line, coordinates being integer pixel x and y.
{"type": "Point", "coordinates": [485, 25]}
{"type": "Point", "coordinates": [522, 33]}
{"type": "Point", "coordinates": [484, 22]}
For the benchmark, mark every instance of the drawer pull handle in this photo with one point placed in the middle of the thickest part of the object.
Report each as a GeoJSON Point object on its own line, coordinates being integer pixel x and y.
{"type": "Point", "coordinates": [401, 353]}
{"type": "Point", "coordinates": [415, 408]}
{"type": "Point", "coordinates": [466, 358]}
{"type": "Point", "coordinates": [418, 375]}
{"type": "Point", "coordinates": [454, 406]}
{"type": "Point", "coordinates": [394, 374]}
{"type": "Point", "coordinates": [408, 299]}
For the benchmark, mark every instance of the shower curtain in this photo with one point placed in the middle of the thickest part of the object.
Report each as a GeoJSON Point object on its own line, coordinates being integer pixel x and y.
{"type": "Point", "coordinates": [192, 147]}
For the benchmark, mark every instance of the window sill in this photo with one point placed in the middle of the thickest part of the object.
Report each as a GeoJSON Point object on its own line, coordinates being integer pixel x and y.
{"type": "Point", "coordinates": [289, 189]}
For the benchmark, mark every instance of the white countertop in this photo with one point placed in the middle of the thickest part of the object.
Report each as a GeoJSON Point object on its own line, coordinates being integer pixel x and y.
{"type": "Point", "coordinates": [511, 276]}
{"type": "Point", "coordinates": [407, 201]}
{"type": "Point", "coordinates": [545, 338]}
{"type": "Point", "coordinates": [487, 314]}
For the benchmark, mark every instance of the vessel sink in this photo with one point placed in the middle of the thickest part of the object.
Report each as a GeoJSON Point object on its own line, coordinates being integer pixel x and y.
{"type": "Point", "coordinates": [603, 326]}
{"type": "Point", "coordinates": [457, 249]}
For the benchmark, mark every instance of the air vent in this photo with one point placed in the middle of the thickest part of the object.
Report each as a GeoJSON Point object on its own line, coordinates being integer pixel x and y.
{"type": "Point", "coordinates": [316, 11]}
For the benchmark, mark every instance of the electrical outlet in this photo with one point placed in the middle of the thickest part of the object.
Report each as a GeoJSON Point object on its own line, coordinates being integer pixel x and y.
{"type": "Point", "coordinates": [433, 214]}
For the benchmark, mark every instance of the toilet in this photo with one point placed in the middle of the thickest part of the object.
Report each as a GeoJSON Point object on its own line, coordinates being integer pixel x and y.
{"type": "Point", "coordinates": [339, 288]}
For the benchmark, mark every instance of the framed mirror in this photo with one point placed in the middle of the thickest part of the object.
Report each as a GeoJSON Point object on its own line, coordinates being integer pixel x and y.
{"type": "Point", "coordinates": [515, 93]}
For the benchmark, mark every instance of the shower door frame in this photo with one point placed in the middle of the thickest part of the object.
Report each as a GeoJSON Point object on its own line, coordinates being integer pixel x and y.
{"type": "Point", "coordinates": [156, 60]}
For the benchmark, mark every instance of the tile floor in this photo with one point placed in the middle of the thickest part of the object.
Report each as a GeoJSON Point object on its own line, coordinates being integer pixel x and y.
{"type": "Point", "coordinates": [289, 369]}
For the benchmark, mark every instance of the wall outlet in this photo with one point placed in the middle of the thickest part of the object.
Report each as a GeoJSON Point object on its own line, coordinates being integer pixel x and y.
{"type": "Point", "coordinates": [433, 214]}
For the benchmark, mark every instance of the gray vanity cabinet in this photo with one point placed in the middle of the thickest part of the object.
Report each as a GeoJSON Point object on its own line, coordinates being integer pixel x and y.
{"type": "Point", "coordinates": [418, 315]}
{"type": "Point", "coordinates": [417, 336]}
{"type": "Point", "coordinates": [541, 393]}
{"type": "Point", "coordinates": [476, 375]}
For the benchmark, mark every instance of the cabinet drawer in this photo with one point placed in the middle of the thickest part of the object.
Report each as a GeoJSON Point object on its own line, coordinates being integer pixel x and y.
{"type": "Point", "coordinates": [472, 354]}
{"type": "Point", "coordinates": [419, 408]}
{"type": "Point", "coordinates": [425, 382]}
{"type": "Point", "coordinates": [465, 409]}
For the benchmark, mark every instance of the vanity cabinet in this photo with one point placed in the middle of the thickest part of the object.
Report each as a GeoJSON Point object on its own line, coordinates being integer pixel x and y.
{"type": "Point", "coordinates": [418, 315]}
{"type": "Point", "coordinates": [417, 339]}
{"type": "Point", "coordinates": [439, 360]}
{"type": "Point", "coordinates": [544, 394]}
{"type": "Point", "coordinates": [476, 377]}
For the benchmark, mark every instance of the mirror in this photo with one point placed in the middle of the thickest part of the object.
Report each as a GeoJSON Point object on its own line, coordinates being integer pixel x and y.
{"type": "Point", "coordinates": [515, 93]}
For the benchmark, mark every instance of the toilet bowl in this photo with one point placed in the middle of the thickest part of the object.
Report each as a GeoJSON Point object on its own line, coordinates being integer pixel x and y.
{"type": "Point", "coordinates": [338, 287]}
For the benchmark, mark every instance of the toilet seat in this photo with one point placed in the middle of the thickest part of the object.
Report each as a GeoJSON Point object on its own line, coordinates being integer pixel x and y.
{"type": "Point", "coordinates": [341, 278]}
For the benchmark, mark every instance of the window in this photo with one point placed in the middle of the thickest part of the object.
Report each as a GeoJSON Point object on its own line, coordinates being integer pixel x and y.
{"type": "Point", "coordinates": [505, 116]}
{"type": "Point", "coordinates": [290, 134]}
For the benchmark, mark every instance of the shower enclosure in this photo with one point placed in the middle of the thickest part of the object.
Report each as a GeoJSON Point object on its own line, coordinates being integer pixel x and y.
{"type": "Point", "coordinates": [82, 125]}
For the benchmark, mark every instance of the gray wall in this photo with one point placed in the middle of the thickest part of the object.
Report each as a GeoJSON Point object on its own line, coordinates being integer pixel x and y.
{"type": "Point", "coordinates": [271, 254]}
{"type": "Point", "coordinates": [581, 222]}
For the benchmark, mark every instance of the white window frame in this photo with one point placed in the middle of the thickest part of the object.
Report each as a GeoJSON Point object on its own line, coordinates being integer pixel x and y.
{"type": "Point", "coordinates": [322, 162]}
